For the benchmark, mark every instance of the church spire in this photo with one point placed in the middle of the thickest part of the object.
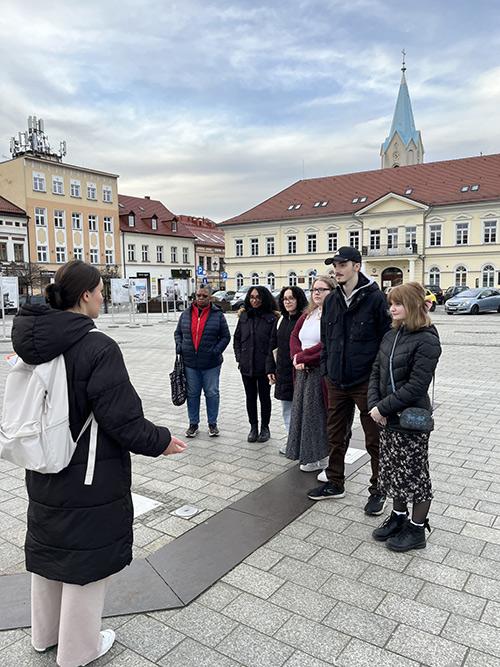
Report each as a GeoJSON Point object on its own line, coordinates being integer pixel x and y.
{"type": "Point", "coordinates": [404, 145]}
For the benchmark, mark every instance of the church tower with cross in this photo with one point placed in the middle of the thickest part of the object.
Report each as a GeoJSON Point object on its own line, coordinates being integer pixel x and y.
{"type": "Point", "coordinates": [404, 144]}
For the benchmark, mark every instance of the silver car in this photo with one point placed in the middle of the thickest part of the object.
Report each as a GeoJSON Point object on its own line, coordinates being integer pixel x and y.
{"type": "Point", "coordinates": [474, 301]}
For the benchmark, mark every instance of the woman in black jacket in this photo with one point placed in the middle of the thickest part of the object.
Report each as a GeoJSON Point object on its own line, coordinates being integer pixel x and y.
{"type": "Point", "coordinates": [251, 345]}
{"type": "Point", "coordinates": [291, 302]}
{"type": "Point", "coordinates": [80, 535]}
{"type": "Point", "coordinates": [400, 378]}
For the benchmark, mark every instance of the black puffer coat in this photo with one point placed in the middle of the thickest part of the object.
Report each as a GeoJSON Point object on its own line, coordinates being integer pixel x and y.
{"type": "Point", "coordinates": [76, 533]}
{"type": "Point", "coordinates": [416, 354]}
{"type": "Point", "coordinates": [351, 334]}
{"type": "Point", "coordinates": [282, 367]}
{"type": "Point", "coordinates": [251, 341]}
{"type": "Point", "coordinates": [214, 339]}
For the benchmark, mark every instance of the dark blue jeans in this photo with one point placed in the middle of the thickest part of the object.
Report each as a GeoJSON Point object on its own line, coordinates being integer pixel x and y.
{"type": "Point", "coordinates": [208, 380]}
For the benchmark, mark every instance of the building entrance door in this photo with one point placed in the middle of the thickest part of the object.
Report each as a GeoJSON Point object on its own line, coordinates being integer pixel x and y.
{"type": "Point", "coordinates": [391, 277]}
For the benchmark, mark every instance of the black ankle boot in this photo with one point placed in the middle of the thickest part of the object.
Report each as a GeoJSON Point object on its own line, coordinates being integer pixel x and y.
{"type": "Point", "coordinates": [264, 434]}
{"type": "Point", "coordinates": [409, 537]}
{"type": "Point", "coordinates": [391, 526]}
{"type": "Point", "coordinates": [254, 433]}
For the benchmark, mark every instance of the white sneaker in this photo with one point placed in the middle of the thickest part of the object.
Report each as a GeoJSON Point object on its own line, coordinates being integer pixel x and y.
{"type": "Point", "coordinates": [324, 462]}
{"type": "Point", "coordinates": [311, 467]}
{"type": "Point", "coordinates": [107, 640]}
{"type": "Point", "coordinates": [322, 476]}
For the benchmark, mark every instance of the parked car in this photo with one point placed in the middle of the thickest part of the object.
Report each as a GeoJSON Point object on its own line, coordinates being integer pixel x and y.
{"type": "Point", "coordinates": [435, 289]}
{"type": "Point", "coordinates": [452, 291]}
{"type": "Point", "coordinates": [154, 306]}
{"type": "Point", "coordinates": [223, 299]}
{"type": "Point", "coordinates": [239, 297]}
{"type": "Point", "coordinates": [474, 301]}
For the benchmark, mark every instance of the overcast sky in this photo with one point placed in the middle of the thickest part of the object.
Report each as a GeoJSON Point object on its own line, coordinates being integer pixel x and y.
{"type": "Point", "coordinates": [214, 106]}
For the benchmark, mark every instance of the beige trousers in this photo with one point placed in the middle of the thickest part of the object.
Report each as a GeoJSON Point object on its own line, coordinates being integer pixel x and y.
{"type": "Point", "coordinates": [67, 615]}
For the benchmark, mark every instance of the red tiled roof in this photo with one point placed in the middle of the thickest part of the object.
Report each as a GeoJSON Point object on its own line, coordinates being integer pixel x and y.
{"type": "Point", "coordinates": [7, 207]}
{"type": "Point", "coordinates": [205, 231]}
{"type": "Point", "coordinates": [435, 183]}
{"type": "Point", "coordinates": [144, 209]}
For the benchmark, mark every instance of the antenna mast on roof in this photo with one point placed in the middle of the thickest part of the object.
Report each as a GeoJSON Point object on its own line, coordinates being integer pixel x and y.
{"type": "Point", "coordinates": [403, 68]}
{"type": "Point", "coordinates": [35, 142]}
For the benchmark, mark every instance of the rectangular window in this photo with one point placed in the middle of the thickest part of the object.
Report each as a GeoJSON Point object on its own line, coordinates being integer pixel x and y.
{"type": "Point", "coordinates": [311, 243]}
{"type": "Point", "coordinates": [76, 220]}
{"type": "Point", "coordinates": [374, 239]}
{"type": "Point", "coordinates": [18, 252]}
{"type": "Point", "coordinates": [108, 224]}
{"type": "Point", "coordinates": [270, 250]}
{"type": "Point", "coordinates": [238, 244]}
{"type": "Point", "coordinates": [392, 238]}
{"type": "Point", "coordinates": [145, 253]}
{"type": "Point", "coordinates": [185, 255]}
{"type": "Point", "coordinates": [39, 182]}
{"type": "Point", "coordinates": [490, 231]}
{"type": "Point", "coordinates": [91, 191]}
{"type": "Point", "coordinates": [57, 185]}
{"type": "Point", "coordinates": [209, 263]}
{"type": "Point", "coordinates": [131, 220]}
{"type": "Point", "coordinates": [41, 253]}
{"type": "Point", "coordinates": [59, 219]}
{"type": "Point", "coordinates": [109, 257]}
{"type": "Point", "coordinates": [354, 239]}
{"type": "Point", "coordinates": [92, 223]}
{"type": "Point", "coordinates": [94, 256]}
{"type": "Point", "coordinates": [333, 241]}
{"type": "Point", "coordinates": [254, 247]}
{"type": "Point", "coordinates": [3, 252]}
{"type": "Point", "coordinates": [107, 194]}
{"type": "Point", "coordinates": [159, 253]}
{"type": "Point", "coordinates": [75, 188]}
{"type": "Point", "coordinates": [78, 253]}
{"type": "Point", "coordinates": [462, 233]}
{"type": "Point", "coordinates": [40, 217]}
{"type": "Point", "coordinates": [292, 244]}
{"type": "Point", "coordinates": [154, 224]}
{"type": "Point", "coordinates": [60, 254]}
{"type": "Point", "coordinates": [173, 254]}
{"type": "Point", "coordinates": [435, 235]}
{"type": "Point", "coordinates": [411, 237]}
{"type": "Point", "coordinates": [131, 252]}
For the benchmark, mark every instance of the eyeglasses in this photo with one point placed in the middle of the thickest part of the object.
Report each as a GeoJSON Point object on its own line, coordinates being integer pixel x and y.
{"type": "Point", "coordinates": [319, 290]}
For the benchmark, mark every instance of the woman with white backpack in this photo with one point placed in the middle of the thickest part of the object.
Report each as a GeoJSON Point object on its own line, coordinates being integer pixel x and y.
{"type": "Point", "coordinates": [80, 529]}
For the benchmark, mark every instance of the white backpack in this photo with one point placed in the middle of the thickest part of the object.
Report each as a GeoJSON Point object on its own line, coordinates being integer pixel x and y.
{"type": "Point", "coordinates": [34, 432]}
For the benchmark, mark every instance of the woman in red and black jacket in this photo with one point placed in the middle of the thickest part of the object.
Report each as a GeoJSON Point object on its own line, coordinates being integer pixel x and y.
{"type": "Point", "coordinates": [308, 439]}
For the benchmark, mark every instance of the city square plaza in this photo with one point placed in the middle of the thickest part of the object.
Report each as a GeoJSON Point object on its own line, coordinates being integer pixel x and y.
{"type": "Point", "coordinates": [309, 587]}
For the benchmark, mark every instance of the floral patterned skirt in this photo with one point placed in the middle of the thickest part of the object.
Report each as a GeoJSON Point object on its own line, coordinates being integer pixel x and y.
{"type": "Point", "coordinates": [404, 466]}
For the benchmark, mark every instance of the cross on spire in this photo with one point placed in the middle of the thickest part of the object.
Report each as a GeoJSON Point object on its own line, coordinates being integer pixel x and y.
{"type": "Point", "coordinates": [403, 69]}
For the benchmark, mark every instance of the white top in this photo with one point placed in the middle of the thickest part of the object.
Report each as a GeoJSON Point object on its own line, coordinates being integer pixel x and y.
{"type": "Point", "coordinates": [310, 333]}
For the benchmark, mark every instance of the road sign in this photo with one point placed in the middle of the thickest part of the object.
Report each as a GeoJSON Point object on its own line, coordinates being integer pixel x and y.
{"type": "Point", "coordinates": [199, 270]}
{"type": "Point", "coordinates": [223, 275]}
{"type": "Point", "coordinates": [204, 281]}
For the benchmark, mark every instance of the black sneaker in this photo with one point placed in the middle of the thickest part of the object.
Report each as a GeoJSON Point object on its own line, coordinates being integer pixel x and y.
{"type": "Point", "coordinates": [409, 537]}
{"type": "Point", "coordinates": [264, 434]}
{"type": "Point", "coordinates": [391, 526]}
{"type": "Point", "coordinates": [326, 491]}
{"type": "Point", "coordinates": [375, 505]}
{"type": "Point", "coordinates": [254, 433]}
{"type": "Point", "coordinates": [213, 431]}
{"type": "Point", "coordinates": [192, 431]}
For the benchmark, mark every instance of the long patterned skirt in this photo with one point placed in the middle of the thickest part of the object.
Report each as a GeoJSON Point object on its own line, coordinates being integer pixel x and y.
{"type": "Point", "coordinates": [308, 438]}
{"type": "Point", "coordinates": [404, 466]}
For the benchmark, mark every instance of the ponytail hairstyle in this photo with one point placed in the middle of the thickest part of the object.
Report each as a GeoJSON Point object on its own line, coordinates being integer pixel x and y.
{"type": "Point", "coordinates": [71, 281]}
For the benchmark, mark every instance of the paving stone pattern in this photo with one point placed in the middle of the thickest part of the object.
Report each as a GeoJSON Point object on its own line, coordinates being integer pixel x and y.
{"type": "Point", "coordinates": [321, 592]}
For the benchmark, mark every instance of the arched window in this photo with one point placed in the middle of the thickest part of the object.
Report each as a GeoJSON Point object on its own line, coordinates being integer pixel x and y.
{"type": "Point", "coordinates": [292, 278]}
{"type": "Point", "coordinates": [434, 275]}
{"type": "Point", "coordinates": [488, 276]}
{"type": "Point", "coordinates": [239, 281]}
{"type": "Point", "coordinates": [310, 278]}
{"type": "Point", "coordinates": [255, 278]}
{"type": "Point", "coordinates": [271, 281]}
{"type": "Point", "coordinates": [461, 275]}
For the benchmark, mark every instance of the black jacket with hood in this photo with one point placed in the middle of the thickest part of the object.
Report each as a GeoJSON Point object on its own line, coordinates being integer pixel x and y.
{"type": "Point", "coordinates": [415, 357]}
{"type": "Point", "coordinates": [76, 533]}
{"type": "Point", "coordinates": [251, 340]}
{"type": "Point", "coordinates": [351, 332]}
{"type": "Point", "coordinates": [282, 366]}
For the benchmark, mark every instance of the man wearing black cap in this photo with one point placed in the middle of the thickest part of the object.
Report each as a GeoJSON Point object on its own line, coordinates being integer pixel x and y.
{"type": "Point", "coordinates": [354, 320]}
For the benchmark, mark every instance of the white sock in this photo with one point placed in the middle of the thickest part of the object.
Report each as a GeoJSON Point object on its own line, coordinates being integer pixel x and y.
{"type": "Point", "coordinates": [420, 525]}
{"type": "Point", "coordinates": [399, 513]}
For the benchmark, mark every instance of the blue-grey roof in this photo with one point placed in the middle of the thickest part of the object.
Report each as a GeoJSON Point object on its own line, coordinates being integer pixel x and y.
{"type": "Point", "coordinates": [403, 122]}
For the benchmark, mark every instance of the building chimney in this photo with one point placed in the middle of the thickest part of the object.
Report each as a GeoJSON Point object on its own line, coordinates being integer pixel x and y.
{"type": "Point", "coordinates": [147, 197]}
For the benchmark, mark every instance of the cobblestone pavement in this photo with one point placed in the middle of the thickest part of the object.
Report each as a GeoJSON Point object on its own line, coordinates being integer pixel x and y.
{"type": "Point", "coordinates": [321, 592]}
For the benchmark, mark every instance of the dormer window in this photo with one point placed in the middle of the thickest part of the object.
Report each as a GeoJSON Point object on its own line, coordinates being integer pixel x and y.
{"type": "Point", "coordinates": [355, 200]}
{"type": "Point", "coordinates": [297, 206]}
{"type": "Point", "coordinates": [154, 223]}
{"type": "Point", "coordinates": [408, 191]}
{"type": "Point", "coordinates": [174, 225]}
{"type": "Point", "coordinates": [362, 200]}
{"type": "Point", "coordinates": [474, 187]}
{"type": "Point", "coordinates": [464, 188]}
{"type": "Point", "coordinates": [131, 220]}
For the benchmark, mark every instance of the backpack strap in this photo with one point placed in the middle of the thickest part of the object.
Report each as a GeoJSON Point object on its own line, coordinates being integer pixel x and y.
{"type": "Point", "coordinates": [89, 473]}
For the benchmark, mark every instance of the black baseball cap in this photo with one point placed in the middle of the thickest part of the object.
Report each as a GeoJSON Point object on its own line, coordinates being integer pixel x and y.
{"type": "Point", "coordinates": [345, 254]}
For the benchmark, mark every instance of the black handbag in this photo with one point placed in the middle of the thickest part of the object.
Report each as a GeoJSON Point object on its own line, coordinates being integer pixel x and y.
{"type": "Point", "coordinates": [413, 419]}
{"type": "Point", "coordinates": [178, 382]}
